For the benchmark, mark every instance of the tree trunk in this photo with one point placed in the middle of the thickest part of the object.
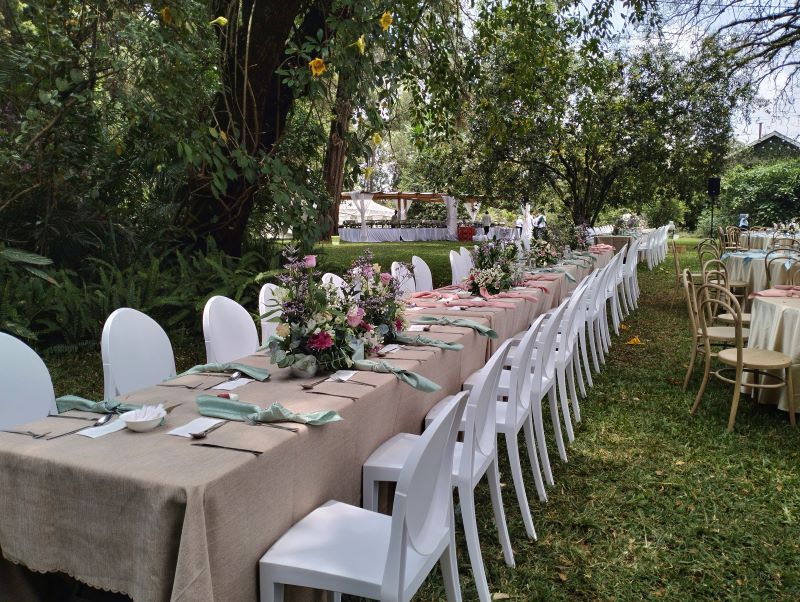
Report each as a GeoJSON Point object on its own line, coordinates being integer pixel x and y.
{"type": "Point", "coordinates": [336, 152]}
{"type": "Point", "coordinates": [252, 107]}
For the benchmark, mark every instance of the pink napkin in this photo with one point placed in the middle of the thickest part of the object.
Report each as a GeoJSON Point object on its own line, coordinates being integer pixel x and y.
{"type": "Point", "coordinates": [426, 295]}
{"type": "Point", "coordinates": [546, 277]}
{"type": "Point", "coordinates": [777, 292]}
{"type": "Point", "coordinates": [787, 287]}
{"type": "Point", "coordinates": [600, 248]}
{"type": "Point", "coordinates": [541, 287]}
{"type": "Point", "coordinates": [509, 295]}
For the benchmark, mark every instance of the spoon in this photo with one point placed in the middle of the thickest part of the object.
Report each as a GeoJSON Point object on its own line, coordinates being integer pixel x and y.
{"type": "Point", "coordinates": [204, 434]}
{"type": "Point", "coordinates": [103, 420]}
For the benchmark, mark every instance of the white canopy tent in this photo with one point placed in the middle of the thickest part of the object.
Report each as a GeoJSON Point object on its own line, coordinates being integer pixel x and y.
{"type": "Point", "coordinates": [349, 212]}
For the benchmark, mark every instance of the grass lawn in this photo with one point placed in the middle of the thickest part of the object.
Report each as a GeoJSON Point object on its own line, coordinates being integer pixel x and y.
{"type": "Point", "coordinates": [654, 503]}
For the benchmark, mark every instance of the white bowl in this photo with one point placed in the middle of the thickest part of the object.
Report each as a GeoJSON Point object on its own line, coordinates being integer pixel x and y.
{"type": "Point", "coordinates": [140, 426]}
{"type": "Point", "coordinates": [463, 294]}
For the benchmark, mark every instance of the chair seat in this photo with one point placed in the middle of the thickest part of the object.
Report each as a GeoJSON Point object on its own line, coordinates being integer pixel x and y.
{"type": "Point", "coordinates": [724, 333]}
{"type": "Point", "coordinates": [737, 284]}
{"type": "Point", "coordinates": [342, 548]}
{"type": "Point", "coordinates": [728, 318]}
{"type": "Point", "coordinates": [759, 359]}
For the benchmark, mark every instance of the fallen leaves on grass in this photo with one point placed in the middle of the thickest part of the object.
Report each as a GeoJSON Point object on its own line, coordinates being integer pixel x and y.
{"type": "Point", "coordinates": [635, 340]}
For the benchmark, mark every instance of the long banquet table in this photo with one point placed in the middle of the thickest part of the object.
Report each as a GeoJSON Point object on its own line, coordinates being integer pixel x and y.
{"type": "Point", "coordinates": [160, 518]}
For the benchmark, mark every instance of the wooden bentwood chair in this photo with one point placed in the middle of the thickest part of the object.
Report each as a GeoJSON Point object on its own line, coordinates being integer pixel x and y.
{"type": "Point", "coordinates": [739, 359]}
{"type": "Point", "coordinates": [719, 335]}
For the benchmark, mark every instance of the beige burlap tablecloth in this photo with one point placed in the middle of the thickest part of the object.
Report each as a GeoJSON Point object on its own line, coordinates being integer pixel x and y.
{"type": "Point", "coordinates": [159, 518]}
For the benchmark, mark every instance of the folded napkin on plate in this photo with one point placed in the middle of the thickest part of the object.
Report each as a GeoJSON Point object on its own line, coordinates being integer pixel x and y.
{"type": "Point", "coordinates": [569, 276]}
{"type": "Point", "coordinates": [260, 374]}
{"type": "Point", "coordinates": [217, 407]}
{"type": "Point", "coordinates": [108, 406]}
{"type": "Point", "coordinates": [410, 378]}
{"type": "Point", "coordinates": [445, 321]}
{"type": "Point", "coordinates": [509, 295]}
{"type": "Point", "coordinates": [776, 292]}
{"type": "Point", "coordinates": [423, 341]}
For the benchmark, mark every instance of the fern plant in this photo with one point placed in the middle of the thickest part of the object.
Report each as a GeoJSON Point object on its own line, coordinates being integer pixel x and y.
{"type": "Point", "coordinates": [12, 315]}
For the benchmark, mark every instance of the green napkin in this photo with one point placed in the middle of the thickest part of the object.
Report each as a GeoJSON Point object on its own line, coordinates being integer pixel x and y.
{"type": "Point", "coordinates": [445, 321]}
{"type": "Point", "coordinates": [410, 378]}
{"type": "Point", "coordinates": [218, 407]}
{"type": "Point", "coordinates": [261, 374]}
{"type": "Point", "coordinates": [108, 406]}
{"type": "Point", "coordinates": [422, 340]}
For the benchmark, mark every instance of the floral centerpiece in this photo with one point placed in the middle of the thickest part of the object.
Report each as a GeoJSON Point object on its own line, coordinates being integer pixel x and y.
{"type": "Point", "coordinates": [494, 268]}
{"type": "Point", "coordinates": [314, 332]}
{"type": "Point", "coordinates": [376, 311]}
{"type": "Point", "coordinates": [541, 253]}
{"type": "Point", "coordinates": [628, 223]}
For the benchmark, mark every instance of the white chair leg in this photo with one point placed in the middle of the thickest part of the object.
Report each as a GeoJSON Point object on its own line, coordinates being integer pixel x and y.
{"type": "Point", "coordinates": [593, 345]}
{"type": "Point", "coordinates": [538, 427]}
{"type": "Point", "coordinates": [271, 591]}
{"type": "Point", "coordinates": [493, 475]}
{"type": "Point", "coordinates": [530, 442]}
{"type": "Point", "coordinates": [371, 490]}
{"type": "Point", "coordinates": [470, 521]}
{"type": "Point", "coordinates": [561, 377]}
{"type": "Point", "coordinates": [449, 566]}
{"type": "Point", "coordinates": [576, 410]}
{"type": "Point", "coordinates": [519, 484]}
{"type": "Point", "coordinates": [587, 369]}
{"type": "Point", "coordinates": [551, 398]}
{"type": "Point", "coordinates": [579, 368]}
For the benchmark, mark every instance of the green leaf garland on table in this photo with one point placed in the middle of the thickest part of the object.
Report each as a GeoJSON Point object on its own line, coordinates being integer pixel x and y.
{"type": "Point", "coordinates": [229, 409]}
{"type": "Point", "coordinates": [423, 341]}
{"type": "Point", "coordinates": [108, 406]}
{"type": "Point", "coordinates": [260, 374]}
{"type": "Point", "coordinates": [445, 321]}
{"type": "Point", "coordinates": [410, 378]}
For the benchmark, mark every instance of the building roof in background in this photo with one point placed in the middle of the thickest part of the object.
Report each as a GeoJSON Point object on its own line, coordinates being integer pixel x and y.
{"type": "Point", "coordinates": [774, 136]}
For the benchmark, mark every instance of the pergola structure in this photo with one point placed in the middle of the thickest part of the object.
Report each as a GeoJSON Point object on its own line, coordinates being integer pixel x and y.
{"type": "Point", "coordinates": [404, 199]}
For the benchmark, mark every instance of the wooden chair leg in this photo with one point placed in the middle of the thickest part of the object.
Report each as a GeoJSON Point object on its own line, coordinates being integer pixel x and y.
{"type": "Point", "coordinates": [690, 368]}
{"type": "Point", "coordinates": [737, 391]}
{"type": "Point", "coordinates": [790, 395]}
{"type": "Point", "coordinates": [706, 371]}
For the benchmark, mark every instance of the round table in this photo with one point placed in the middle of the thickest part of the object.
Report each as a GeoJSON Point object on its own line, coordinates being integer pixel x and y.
{"type": "Point", "coordinates": [775, 325]}
{"type": "Point", "coordinates": [762, 240]}
{"type": "Point", "coordinates": [748, 266]}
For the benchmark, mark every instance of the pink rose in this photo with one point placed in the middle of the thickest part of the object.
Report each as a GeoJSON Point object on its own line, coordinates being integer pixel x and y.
{"type": "Point", "coordinates": [310, 261]}
{"type": "Point", "coordinates": [385, 278]}
{"type": "Point", "coordinates": [354, 316]}
{"type": "Point", "coordinates": [320, 341]}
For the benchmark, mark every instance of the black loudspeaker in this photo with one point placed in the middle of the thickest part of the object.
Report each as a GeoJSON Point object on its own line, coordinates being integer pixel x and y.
{"type": "Point", "coordinates": [713, 186]}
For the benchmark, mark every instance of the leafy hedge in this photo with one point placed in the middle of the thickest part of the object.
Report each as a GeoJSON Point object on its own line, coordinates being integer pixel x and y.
{"type": "Point", "coordinates": [769, 193]}
{"type": "Point", "coordinates": [172, 289]}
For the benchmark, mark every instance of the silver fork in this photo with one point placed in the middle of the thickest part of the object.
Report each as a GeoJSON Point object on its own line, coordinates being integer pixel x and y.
{"type": "Point", "coordinates": [29, 433]}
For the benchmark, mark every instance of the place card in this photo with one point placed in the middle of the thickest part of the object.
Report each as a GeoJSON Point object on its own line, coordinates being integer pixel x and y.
{"type": "Point", "coordinates": [230, 385]}
{"type": "Point", "coordinates": [198, 425]}
{"type": "Point", "coordinates": [391, 348]}
{"type": "Point", "coordinates": [417, 328]}
{"type": "Point", "coordinates": [101, 431]}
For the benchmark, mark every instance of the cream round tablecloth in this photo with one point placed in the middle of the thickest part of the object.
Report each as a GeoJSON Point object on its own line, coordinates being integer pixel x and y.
{"type": "Point", "coordinates": [761, 240]}
{"type": "Point", "coordinates": [749, 267]}
{"type": "Point", "coordinates": [775, 325]}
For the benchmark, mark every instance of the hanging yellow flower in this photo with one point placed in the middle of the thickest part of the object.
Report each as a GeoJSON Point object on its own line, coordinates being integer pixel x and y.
{"type": "Point", "coordinates": [376, 139]}
{"type": "Point", "coordinates": [317, 67]}
{"type": "Point", "coordinates": [386, 20]}
{"type": "Point", "coordinates": [166, 15]}
{"type": "Point", "coordinates": [221, 21]}
{"type": "Point", "coordinates": [360, 44]}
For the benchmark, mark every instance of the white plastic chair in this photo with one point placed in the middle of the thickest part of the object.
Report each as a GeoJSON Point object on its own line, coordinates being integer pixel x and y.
{"type": "Point", "coordinates": [136, 353]}
{"type": "Point", "coordinates": [343, 548]}
{"type": "Point", "coordinates": [404, 278]}
{"type": "Point", "coordinates": [422, 274]}
{"type": "Point", "coordinates": [265, 304]}
{"type": "Point", "coordinates": [456, 267]}
{"type": "Point", "coordinates": [229, 331]}
{"type": "Point", "coordinates": [336, 280]}
{"type": "Point", "coordinates": [466, 260]}
{"type": "Point", "coordinates": [27, 392]}
{"type": "Point", "coordinates": [474, 458]}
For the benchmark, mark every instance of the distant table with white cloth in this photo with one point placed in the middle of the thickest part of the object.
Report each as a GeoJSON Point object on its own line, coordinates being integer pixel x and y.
{"type": "Point", "coordinates": [395, 234]}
